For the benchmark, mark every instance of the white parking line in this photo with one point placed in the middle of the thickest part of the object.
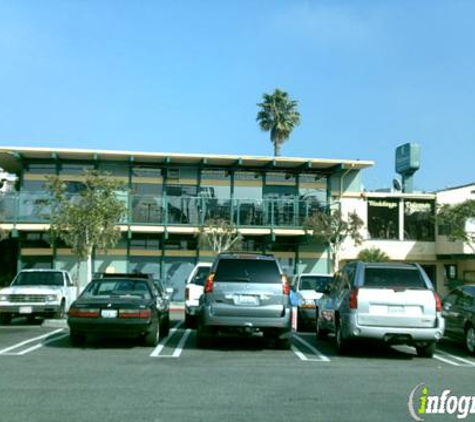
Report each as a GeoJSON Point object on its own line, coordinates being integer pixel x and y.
{"type": "Point", "coordinates": [436, 356]}
{"type": "Point", "coordinates": [182, 342]}
{"type": "Point", "coordinates": [465, 361]}
{"type": "Point", "coordinates": [24, 352]}
{"type": "Point", "coordinates": [156, 352]}
{"type": "Point", "coordinates": [18, 345]}
{"type": "Point", "coordinates": [301, 355]}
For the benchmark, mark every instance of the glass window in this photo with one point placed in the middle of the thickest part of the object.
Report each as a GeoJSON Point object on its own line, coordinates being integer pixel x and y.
{"type": "Point", "coordinates": [33, 185]}
{"type": "Point", "coordinates": [200, 276]}
{"type": "Point", "coordinates": [393, 277]}
{"type": "Point", "coordinates": [183, 204]}
{"type": "Point", "coordinates": [248, 198]}
{"type": "Point", "coordinates": [215, 194]}
{"type": "Point", "coordinates": [41, 168]}
{"type": "Point", "coordinates": [383, 218]}
{"type": "Point", "coordinates": [419, 220]}
{"type": "Point", "coordinates": [115, 169]}
{"type": "Point", "coordinates": [315, 282]}
{"type": "Point", "coordinates": [144, 241]}
{"type": "Point", "coordinates": [117, 287]}
{"type": "Point", "coordinates": [40, 278]}
{"type": "Point", "coordinates": [312, 194]}
{"type": "Point", "coordinates": [247, 270]}
{"type": "Point", "coordinates": [76, 168]}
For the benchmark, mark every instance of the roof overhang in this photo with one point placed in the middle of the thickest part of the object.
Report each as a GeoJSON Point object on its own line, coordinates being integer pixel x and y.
{"type": "Point", "coordinates": [12, 159]}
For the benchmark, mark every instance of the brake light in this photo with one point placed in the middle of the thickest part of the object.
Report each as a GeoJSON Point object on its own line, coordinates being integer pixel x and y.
{"type": "Point", "coordinates": [209, 283]}
{"type": "Point", "coordinates": [354, 299]}
{"type": "Point", "coordinates": [83, 312]}
{"type": "Point", "coordinates": [135, 313]}
{"type": "Point", "coordinates": [285, 286]}
{"type": "Point", "coordinates": [438, 303]}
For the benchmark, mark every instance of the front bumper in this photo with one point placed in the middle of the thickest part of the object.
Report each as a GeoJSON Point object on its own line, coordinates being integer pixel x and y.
{"type": "Point", "coordinates": [30, 308]}
{"type": "Point", "coordinates": [352, 330]}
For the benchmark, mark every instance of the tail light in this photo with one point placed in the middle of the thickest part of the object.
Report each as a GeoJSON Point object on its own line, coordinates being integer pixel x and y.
{"type": "Point", "coordinates": [354, 299]}
{"type": "Point", "coordinates": [187, 293]}
{"type": "Point", "coordinates": [285, 286]}
{"type": "Point", "coordinates": [438, 303]}
{"type": "Point", "coordinates": [209, 283]}
{"type": "Point", "coordinates": [83, 312]}
{"type": "Point", "coordinates": [135, 313]}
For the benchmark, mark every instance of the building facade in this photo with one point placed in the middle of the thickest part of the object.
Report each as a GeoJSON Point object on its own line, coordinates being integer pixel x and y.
{"type": "Point", "coordinates": [170, 196]}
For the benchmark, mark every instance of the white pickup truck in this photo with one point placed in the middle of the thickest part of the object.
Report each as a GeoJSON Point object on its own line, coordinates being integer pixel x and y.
{"type": "Point", "coordinates": [37, 292]}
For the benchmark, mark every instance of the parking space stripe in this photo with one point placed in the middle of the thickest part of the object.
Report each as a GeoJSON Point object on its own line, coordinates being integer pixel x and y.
{"type": "Point", "coordinates": [465, 361]}
{"type": "Point", "coordinates": [156, 352]}
{"type": "Point", "coordinates": [182, 342]}
{"type": "Point", "coordinates": [56, 338]}
{"type": "Point", "coordinates": [23, 343]}
{"type": "Point", "coordinates": [321, 357]}
{"type": "Point", "coordinates": [446, 360]}
{"type": "Point", "coordinates": [299, 354]}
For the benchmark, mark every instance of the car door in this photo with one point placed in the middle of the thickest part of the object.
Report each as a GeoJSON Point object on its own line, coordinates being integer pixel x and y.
{"type": "Point", "coordinates": [450, 313]}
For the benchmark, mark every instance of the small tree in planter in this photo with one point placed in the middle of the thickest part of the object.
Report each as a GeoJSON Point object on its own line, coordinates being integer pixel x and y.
{"type": "Point", "coordinates": [332, 229]}
{"type": "Point", "coordinates": [372, 255]}
{"type": "Point", "coordinates": [219, 234]}
{"type": "Point", "coordinates": [89, 219]}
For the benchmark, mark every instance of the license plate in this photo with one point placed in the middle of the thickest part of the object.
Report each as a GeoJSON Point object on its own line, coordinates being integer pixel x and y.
{"type": "Point", "coordinates": [247, 300]}
{"type": "Point", "coordinates": [109, 313]}
{"type": "Point", "coordinates": [396, 309]}
{"type": "Point", "coordinates": [25, 310]}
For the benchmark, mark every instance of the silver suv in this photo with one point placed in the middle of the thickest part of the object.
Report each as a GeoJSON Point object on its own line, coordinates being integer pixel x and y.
{"type": "Point", "coordinates": [395, 303]}
{"type": "Point", "coordinates": [245, 294]}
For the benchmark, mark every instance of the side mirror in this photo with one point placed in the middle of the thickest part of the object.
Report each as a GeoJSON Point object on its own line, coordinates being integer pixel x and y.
{"type": "Point", "coordinates": [169, 292]}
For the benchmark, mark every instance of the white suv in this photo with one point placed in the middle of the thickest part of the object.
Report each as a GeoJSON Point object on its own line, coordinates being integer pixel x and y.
{"type": "Point", "coordinates": [193, 291]}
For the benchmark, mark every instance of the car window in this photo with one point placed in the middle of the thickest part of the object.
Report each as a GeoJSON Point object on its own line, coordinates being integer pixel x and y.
{"type": "Point", "coordinates": [38, 279]}
{"type": "Point", "coordinates": [119, 287]}
{"type": "Point", "coordinates": [394, 277]}
{"type": "Point", "coordinates": [242, 270]}
{"type": "Point", "coordinates": [200, 277]}
{"type": "Point", "coordinates": [451, 298]}
{"type": "Point", "coordinates": [314, 282]}
{"type": "Point", "coordinates": [465, 300]}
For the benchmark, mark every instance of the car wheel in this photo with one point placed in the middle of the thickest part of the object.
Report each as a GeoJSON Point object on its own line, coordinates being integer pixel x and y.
{"type": "Point", "coordinates": [152, 338]}
{"type": "Point", "coordinates": [203, 339]}
{"type": "Point", "coordinates": [284, 344]}
{"type": "Point", "coordinates": [427, 350]}
{"type": "Point", "coordinates": [77, 339]}
{"type": "Point", "coordinates": [190, 321]}
{"type": "Point", "coordinates": [60, 313]}
{"type": "Point", "coordinates": [321, 334]}
{"type": "Point", "coordinates": [341, 342]}
{"type": "Point", "coordinates": [470, 339]}
{"type": "Point", "coordinates": [166, 327]}
{"type": "Point", "coordinates": [5, 319]}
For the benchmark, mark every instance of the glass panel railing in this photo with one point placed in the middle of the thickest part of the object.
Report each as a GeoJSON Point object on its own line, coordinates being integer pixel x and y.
{"type": "Point", "coordinates": [159, 210]}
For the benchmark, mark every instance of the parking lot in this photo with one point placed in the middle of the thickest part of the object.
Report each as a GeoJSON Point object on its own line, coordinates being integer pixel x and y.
{"type": "Point", "coordinates": [45, 379]}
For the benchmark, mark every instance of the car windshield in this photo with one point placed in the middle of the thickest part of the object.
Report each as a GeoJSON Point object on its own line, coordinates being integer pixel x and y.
{"type": "Point", "coordinates": [315, 282]}
{"type": "Point", "coordinates": [200, 276]}
{"type": "Point", "coordinates": [247, 270]}
{"type": "Point", "coordinates": [394, 277]}
{"type": "Point", "coordinates": [39, 279]}
{"type": "Point", "coordinates": [117, 288]}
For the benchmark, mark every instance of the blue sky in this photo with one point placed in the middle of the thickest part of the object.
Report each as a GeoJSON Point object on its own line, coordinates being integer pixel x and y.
{"type": "Point", "coordinates": [185, 76]}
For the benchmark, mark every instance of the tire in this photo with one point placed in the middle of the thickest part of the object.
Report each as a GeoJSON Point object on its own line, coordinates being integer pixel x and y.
{"type": "Point", "coordinates": [470, 339]}
{"type": "Point", "coordinates": [341, 342]}
{"type": "Point", "coordinates": [190, 321]}
{"type": "Point", "coordinates": [152, 338]}
{"type": "Point", "coordinates": [321, 334]}
{"type": "Point", "coordinates": [203, 340]}
{"type": "Point", "coordinates": [61, 312]}
{"type": "Point", "coordinates": [166, 327]}
{"type": "Point", "coordinates": [427, 350]}
{"type": "Point", "coordinates": [5, 319]}
{"type": "Point", "coordinates": [77, 339]}
{"type": "Point", "coordinates": [284, 344]}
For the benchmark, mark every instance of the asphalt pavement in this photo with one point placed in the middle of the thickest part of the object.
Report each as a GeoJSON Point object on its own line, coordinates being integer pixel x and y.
{"type": "Point", "coordinates": [43, 378]}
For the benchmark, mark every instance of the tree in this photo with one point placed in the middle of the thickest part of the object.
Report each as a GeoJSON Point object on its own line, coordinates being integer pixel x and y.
{"type": "Point", "coordinates": [89, 219]}
{"type": "Point", "coordinates": [373, 255]}
{"type": "Point", "coordinates": [332, 229]}
{"type": "Point", "coordinates": [460, 221]}
{"type": "Point", "coordinates": [220, 234]}
{"type": "Point", "coordinates": [278, 115]}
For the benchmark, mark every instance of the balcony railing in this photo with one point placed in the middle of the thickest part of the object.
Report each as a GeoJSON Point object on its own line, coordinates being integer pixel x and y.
{"type": "Point", "coordinates": [26, 207]}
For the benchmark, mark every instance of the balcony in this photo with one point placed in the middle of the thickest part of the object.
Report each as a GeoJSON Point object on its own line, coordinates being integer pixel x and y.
{"type": "Point", "coordinates": [27, 207]}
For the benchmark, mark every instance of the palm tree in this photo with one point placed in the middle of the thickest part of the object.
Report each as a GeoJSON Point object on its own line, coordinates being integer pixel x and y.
{"type": "Point", "coordinates": [373, 255]}
{"type": "Point", "coordinates": [278, 115]}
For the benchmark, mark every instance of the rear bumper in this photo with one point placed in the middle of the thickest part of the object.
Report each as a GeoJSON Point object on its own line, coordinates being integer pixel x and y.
{"type": "Point", "coordinates": [307, 316]}
{"type": "Point", "coordinates": [117, 327]}
{"type": "Point", "coordinates": [352, 330]}
{"type": "Point", "coordinates": [208, 319]}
